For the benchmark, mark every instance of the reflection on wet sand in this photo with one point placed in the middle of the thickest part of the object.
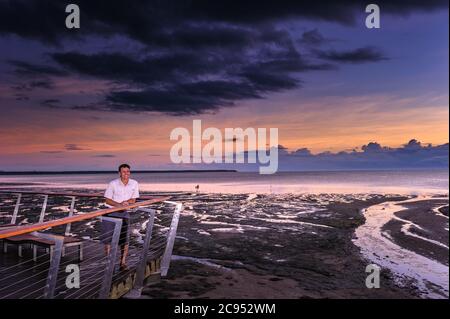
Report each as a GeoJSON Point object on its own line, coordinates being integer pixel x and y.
{"type": "Point", "coordinates": [411, 239]}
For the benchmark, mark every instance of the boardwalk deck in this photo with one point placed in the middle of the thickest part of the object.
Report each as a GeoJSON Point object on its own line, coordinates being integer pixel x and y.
{"type": "Point", "coordinates": [28, 278]}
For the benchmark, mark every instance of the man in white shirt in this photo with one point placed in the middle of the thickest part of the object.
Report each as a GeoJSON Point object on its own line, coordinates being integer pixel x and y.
{"type": "Point", "coordinates": [122, 191]}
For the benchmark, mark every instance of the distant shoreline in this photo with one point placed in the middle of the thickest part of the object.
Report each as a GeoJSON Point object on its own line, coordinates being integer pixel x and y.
{"type": "Point", "coordinates": [224, 171]}
{"type": "Point", "coordinates": [114, 172]}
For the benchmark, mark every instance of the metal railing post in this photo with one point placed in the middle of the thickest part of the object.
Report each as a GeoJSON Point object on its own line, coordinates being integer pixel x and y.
{"type": "Point", "coordinates": [44, 207]}
{"type": "Point", "coordinates": [68, 227]}
{"type": "Point", "coordinates": [49, 290]}
{"type": "Point", "coordinates": [140, 270]}
{"type": "Point", "coordinates": [109, 271]}
{"type": "Point", "coordinates": [16, 209]}
{"type": "Point", "coordinates": [72, 207]}
{"type": "Point", "coordinates": [165, 263]}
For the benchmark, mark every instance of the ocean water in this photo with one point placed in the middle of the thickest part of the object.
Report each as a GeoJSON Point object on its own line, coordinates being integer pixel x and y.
{"type": "Point", "coordinates": [342, 182]}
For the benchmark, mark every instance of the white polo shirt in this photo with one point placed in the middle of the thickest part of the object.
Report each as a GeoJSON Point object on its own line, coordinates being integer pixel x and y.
{"type": "Point", "coordinates": [119, 192]}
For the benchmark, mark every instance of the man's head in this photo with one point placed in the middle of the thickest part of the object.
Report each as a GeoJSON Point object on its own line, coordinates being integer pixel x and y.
{"type": "Point", "coordinates": [124, 172]}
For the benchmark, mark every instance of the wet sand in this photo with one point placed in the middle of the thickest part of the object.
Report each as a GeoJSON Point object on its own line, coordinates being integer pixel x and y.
{"type": "Point", "coordinates": [279, 246]}
{"type": "Point", "coordinates": [411, 239]}
{"type": "Point", "coordinates": [430, 228]}
{"type": "Point", "coordinates": [266, 246]}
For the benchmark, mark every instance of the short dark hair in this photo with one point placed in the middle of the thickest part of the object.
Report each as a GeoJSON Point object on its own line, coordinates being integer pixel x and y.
{"type": "Point", "coordinates": [124, 166]}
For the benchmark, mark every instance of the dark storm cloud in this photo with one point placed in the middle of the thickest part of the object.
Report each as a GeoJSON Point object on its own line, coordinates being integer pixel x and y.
{"type": "Point", "coordinates": [43, 84]}
{"type": "Point", "coordinates": [290, 61]}
{"type": "Point", "coordinates": [275, 74]}
{"type": "Point", "coordinates": [183, 99]}
{"type": "Point", "coordinates": [29, 69]}
{"type": "Point", "coordinates": [118, 66]}
{"type": "Point", "coordinates": [361, 55]}
{"type": "Point", "coordinates": [273, 54]}
{"type": "Point", "coordinates": [257, 11]}
{"type": "Point", "coordinates": [31, 85]}
{"type": "Point", "coordinates": [52, 103]}
{"type": "Point", "coordinates": [21, 97]}
{"type": "Point", "coordinates": [74, 147]}
{"type": "Point", "coordinates": [196, 56]}
{"type": "Point", "coordinates": [142, 20]}
{"type": "Point", "coordinates": [181, 83]}
{"type": "Point", "coordinates": [312, 37]}
{"type": "Point", "coordinates": [270, 82]}
{"type": "Point", "coordinates": [203, 35]}
{"type": "Point", "coordinates": [104, 155]}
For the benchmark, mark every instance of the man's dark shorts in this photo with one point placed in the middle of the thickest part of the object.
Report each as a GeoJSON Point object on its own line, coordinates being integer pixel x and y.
{"type": "Point", "coordinates": [107, 228]}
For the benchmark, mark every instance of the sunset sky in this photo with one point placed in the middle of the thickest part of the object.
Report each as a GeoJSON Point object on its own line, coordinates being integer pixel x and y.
{"type": "Point", "coordinates": [113, 90]}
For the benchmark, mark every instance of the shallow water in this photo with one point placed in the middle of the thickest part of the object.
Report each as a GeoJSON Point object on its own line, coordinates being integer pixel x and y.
{"type": "Point", "coordinates": [379, 248]}
{"type": "Point", "coordinates": [382, 182]}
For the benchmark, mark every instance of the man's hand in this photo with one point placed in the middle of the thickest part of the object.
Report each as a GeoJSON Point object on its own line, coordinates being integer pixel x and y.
{"type": "Point", "coordinates": [112, 203]}
{"type": "Point", "coordinates": [117, 204]}
{"type": "Point", "coordinates": [131, 201]}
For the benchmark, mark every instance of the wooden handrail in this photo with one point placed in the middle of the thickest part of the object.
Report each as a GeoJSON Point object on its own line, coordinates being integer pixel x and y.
{"type": "Point", "coordinates": [20, 230]}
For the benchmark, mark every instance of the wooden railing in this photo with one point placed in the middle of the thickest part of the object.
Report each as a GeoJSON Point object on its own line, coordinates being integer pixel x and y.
{"type": "Point", "coordinates": [20, 230]}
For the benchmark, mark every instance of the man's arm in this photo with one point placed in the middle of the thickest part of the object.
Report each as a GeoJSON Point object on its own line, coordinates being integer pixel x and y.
{"type": "Point", "coordinates": [111, 202]}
